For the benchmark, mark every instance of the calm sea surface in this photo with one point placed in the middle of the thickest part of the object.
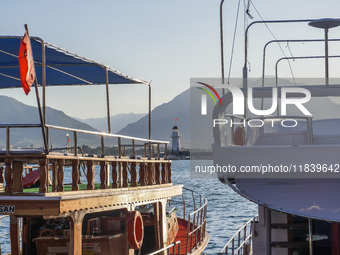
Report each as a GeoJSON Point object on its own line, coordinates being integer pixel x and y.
{"type": "Point", "coordinates": [227, 211]}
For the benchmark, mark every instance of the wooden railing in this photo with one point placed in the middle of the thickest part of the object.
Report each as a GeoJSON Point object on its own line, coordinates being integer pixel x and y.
{"type": "Point", "coordinates": [126, 171]}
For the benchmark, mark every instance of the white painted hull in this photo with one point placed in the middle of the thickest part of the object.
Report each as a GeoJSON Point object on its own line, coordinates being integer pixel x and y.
{"type": "Point", "coordinates": [309, 197]}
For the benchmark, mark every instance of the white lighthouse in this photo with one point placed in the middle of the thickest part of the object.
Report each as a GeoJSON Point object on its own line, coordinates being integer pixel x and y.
{"type": "Point", "coordinates": [176, 144]}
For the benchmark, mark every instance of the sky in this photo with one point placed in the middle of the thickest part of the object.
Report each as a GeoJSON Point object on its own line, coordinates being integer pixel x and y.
{"type": "Point", "coordinates": [163, 42]}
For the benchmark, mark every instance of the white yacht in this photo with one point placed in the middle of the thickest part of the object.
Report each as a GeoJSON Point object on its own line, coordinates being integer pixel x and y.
{"type": "Point", "coordinates": [287, 162]}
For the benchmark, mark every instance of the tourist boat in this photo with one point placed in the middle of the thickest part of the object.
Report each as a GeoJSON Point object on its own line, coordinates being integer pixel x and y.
{"type": "Point", "coordinates": [290, 172]}
{"type": "Point", "coordinates": [133, 210]}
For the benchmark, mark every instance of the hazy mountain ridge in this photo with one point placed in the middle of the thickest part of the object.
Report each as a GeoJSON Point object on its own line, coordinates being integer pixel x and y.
{"type": "Point", "coordinates": [15, 112]}
{"type": "Point", "coordinates": [117, 122]}
{"type": "Point", "coordinates": [163, 119]}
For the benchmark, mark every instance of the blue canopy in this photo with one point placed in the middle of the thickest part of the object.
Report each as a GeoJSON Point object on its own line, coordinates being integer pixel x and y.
{"type": "Point", "coordinates": [62, 67]}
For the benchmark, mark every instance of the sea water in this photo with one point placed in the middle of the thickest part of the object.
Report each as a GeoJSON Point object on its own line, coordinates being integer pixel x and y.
{"type": "Point", "coordinates": [227, 211]}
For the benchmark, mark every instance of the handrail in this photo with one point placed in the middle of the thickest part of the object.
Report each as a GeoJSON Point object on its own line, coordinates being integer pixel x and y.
{"type": "Point", "coordinates": [243, 243]}
{"type": "Point", "coordinates": [106, 134]}
{"type": "Point", "coordinates": [295, 58]}
{"type": "Point", "coordinates": [167, 248]}
{"type": "Point", "coordinates": [196, 221]}
{"type": "Point", "coordinates": [287, 41]}
{"type": "Point", "coordinates": [19, 125]}
{"type": "Point", "coordinates": [238, 231]}
{"type": "Point", "coordinates": [237, 236]}
{"type": "Point", "coordinates": [101, 134]}
{"type": "Point", "coordinates": [120, 137]}
{"type": "Point", "coordinates": [196, 225]}
{"type": "Point", "coordinates": [9, 126]}
{"type": "Point", "coordinates": [307, 118]}
{"type": "Point", "coordinates": [245, 70]}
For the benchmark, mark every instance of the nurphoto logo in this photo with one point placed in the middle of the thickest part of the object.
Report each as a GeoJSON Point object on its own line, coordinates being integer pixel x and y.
{"type": "Point", "coordinates": [289, 96]}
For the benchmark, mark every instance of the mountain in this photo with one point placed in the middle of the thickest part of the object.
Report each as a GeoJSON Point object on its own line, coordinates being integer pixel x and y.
{"type": "Point", "coordinates": [15, 112]}
{"type": "Point", "coordinates": [163, 119]}
{"type": "Point", "coordinates": [186, 108]}
{"type": "Point", "coordinates": [118, 121]}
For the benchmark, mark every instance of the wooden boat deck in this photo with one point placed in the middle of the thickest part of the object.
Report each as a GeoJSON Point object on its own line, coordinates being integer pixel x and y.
{"type": "Point", "coordinates": [190, 244]}
{"type": "Point", "coordinates": [124, 181]}
{"type": "Point", "coordinates": [89, 201]}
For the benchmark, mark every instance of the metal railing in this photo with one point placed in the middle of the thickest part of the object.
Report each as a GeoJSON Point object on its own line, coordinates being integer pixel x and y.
{"type": "Point", "coordinates": [121, 148]}
{"type": "Point", "coordinates": [148, 144]}
{"type": "Point", "coordinates": [8, 132]}
{"type": "Point", "coordinates": [196, 220]}
{"type": "Point", "coordinates": [241, 242]}
{"type": "Point", "coordinates": [309, 125]}
{"type": "Point", "coordinates": [170, 249]}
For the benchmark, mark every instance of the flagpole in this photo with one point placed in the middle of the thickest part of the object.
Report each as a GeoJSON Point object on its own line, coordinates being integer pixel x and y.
{"type": "Point", "coordinates": [39, 107]}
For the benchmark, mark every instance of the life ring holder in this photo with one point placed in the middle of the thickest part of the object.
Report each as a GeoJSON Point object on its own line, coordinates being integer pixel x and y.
{"type": "Point", "coordinates": [134, 229]}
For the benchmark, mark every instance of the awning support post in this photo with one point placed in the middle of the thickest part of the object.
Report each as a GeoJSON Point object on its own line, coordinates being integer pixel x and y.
{"type": "Point", "coordinates": [149, 110]}
{"type": "Point", "coordinates": [41, 115]}
{"type": "Point", "coordinates": [108, 101]}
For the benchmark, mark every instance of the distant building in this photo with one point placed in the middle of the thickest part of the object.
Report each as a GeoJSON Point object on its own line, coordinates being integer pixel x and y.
{"type": "Point", "coordinates": [176, 144]}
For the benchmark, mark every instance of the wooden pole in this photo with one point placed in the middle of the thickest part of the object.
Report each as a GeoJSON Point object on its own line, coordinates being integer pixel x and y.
{"type": "Point", "coordinates": [26, 236]}
{"type": "Point", "coordinates": [60, 186]}
{"type": "Point", "coordinates": [90, 174]}
{"type": "Point", "coordinates": [43, 175]}
{"type": "Point", "coordinates": [17, 176]}
{"type": "Point", "coordinates": [75, 247]}
{"type": "Point", "coordinates": [39, 107]}
{"type": "Point", "coordinates": [14, 235]}
{"type": "Point", "coordinates": [108, 101]}
{"type": "Point", "coordinates": [41, 118]}
{"type": "Point", "coordinates": [335, 238]}
{"type": "Point", "coordinates": [43, 66]}
{"type": "Point", "coordinates": [149, 111]}
{"type": "Point", "coordinates": [157, 227]}
{"type": "Point", "coordinates": [75, 174]}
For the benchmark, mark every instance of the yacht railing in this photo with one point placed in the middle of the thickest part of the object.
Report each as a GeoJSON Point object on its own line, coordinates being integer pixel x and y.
{"type": "Point", "coordinates": [233, 117]}
{"type": "Point", "coordinates": [196, 220]}
{"type": "Point", "coordinates": [240, 242]}
{"type": "Point", "coordinates": [170, 249]}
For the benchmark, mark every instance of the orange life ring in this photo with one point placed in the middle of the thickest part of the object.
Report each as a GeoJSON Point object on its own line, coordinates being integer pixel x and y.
{"type": "Point", "coordinates": [135, 229]}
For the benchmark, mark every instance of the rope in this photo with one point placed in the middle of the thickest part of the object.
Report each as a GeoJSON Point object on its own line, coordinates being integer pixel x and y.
{"type": "Point", "coordinates": [10, 76]}
{"type": "Point", "coordinates": [291, 53]}
{"type": "Point", "coordinates": [290, 67]}
{"type": "Point", "coordinates": [232, 48]}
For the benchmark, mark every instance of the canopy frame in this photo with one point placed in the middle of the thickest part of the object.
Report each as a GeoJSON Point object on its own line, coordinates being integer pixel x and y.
{"type": "Point", "coordinates": [79, 61]}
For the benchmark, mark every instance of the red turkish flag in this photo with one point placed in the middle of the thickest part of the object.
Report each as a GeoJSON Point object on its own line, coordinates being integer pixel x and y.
{"type": "Point", "coordinates": [26, 64]}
